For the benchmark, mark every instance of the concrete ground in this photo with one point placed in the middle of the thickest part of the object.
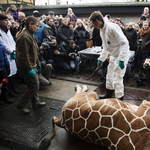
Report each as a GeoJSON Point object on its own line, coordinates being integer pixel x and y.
{"type": "Point", "coordinates": [62, 89]}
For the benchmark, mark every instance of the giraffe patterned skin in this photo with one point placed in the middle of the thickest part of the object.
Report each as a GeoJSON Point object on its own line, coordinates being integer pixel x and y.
{"type": "Point", "coordinates": [109, 122]}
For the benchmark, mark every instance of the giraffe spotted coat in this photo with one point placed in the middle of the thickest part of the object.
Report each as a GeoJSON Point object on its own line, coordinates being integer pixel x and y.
{"type": "Point", "coordinates": [109, 122]}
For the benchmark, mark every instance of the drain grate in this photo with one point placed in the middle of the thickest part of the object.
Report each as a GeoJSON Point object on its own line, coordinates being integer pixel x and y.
{"type": "Point", "coordinates": [29, 129]}
{"type": "Point", "coordinates": [13, 145]}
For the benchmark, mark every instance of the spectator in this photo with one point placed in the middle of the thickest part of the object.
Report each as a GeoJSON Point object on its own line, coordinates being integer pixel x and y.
{"type": "Point", "coordinates": [97, 41]}
{"type": "Point", "coordinates": [56, 24]}
{"type": "Point", "coordinates": [57, 56]}
{"type": "Point", "coordinates": [44, 75]}
{"type": "Point", "coordinates": [74, 59]}
{"type": "Point", "coordinates": [90, 29]}
{"type": "Point", "coordinates": [4, 72]}
{"type": "Point", "coordinates": [145, 35]}
{"type": "Point", "coordinates": [21, 17]}
{"type": "Point", "coordinates": [9, 44]}
{"type": "Point", "coordinates": [118, 21]}
{"type": "Point", "coordinates": [65, 33]}
{"type": "Point", "coordinates": [51, 14]}
{"type": "Point", "coordinates": [146, 13]}
{"type": "Point", "coordinates": [13, 9]}
{"type": "Point", "coordinates": [43, 17]}
{"type": "Point", "coordinates": [71, 26]}
{"type": "Point", "coordinates": [132, 37]}
{"type": "Point", "coordinates": [28, 64]}
{"type": "Point", "coordinates": [81, 35]}
{"type": "Point", "coordinates": [73, 22]}
{"type": "Point", "coordinates": [39, 33]}
{"type": "Point", "coordinates": [71, 15]}
{"type": "Point", "coordinates": [140, 23]}
{"type": "Point", "coordinates": [14, 28]}
{"type": "Point", "coordinates": [21, 8]}
{"type": "Point", "coordinates": [137, 28]}
{"type": "Point", "coordinates": [49, 29]}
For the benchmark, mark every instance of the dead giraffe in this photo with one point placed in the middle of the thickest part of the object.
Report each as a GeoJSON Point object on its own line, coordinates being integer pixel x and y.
{"type": "Point", "coordinates": [109, 122]}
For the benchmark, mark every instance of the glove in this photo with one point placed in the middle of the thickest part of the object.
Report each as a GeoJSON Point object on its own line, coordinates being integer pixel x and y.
{"type": "Point", "coordinates": [13, 55]}
{"type": "Point", "coordinates": [38, 68]}
{"type": "Point", "coordinates": [31, 73]}
{"type": "Point", "coordinates": [98, 63]}
{"type": "Point", "coordinates": [7, 70]}
{"type": "Point", "coordinates": [121, 64]}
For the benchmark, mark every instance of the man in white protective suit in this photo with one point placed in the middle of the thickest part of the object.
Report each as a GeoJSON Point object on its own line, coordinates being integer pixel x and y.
{"type": "Point", "coordinates": [115, 44]}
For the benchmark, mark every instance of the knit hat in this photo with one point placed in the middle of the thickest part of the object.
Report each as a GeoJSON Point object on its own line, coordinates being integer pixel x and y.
{"type": "Point", "coordinates": [36, 13]}
{"type": "Point", "coordinates": [3, 17]}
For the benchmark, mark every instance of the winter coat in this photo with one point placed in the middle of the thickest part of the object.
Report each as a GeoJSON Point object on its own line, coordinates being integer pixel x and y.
{"type": "Point", "coordinates": [132, 37]}
{"type": "Point", "coordinates": [74, 50]}
{"type": "Point", "coordinates": [50, 31]}
{"type": "Point", "coordinates": [4, 63]}
{"type": "Point", "coordinates": [80, 36]}
{"type": "Point", "coordinates": [15, 14]}
{"type": "Point", "coordinates": [27, 50]}
{"type": "Point", "coordinates": [9, 44]}
{"type": "Point", "coordinates": [65, 33]}
{"type": "Point", "coordinates": [39, 33]}
{"type": "Point", "coordinates": [145, 42]}
{"type": "Point", "coordinates": [49, 54]}
{"type": "Point", "coordinates": [114, 42]}
{"type": "Point", "coordinates": [71, 16]}
{"type": "Point", "coordinates": [97, 41]}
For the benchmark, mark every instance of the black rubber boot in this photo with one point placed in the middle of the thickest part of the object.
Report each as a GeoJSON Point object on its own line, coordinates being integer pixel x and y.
{"type": "Point", "coordinates": [109, 94]}
{"type": "Point", "coordinates": [121, 98]}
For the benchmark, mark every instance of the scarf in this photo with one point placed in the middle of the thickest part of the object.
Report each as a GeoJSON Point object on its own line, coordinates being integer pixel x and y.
{"type": "Point", "coordinates": [144, 32]}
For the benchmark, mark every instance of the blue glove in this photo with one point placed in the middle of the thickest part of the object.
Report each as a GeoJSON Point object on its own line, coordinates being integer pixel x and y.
{"type": "Point", "coordinates": [13, 55]}
{"type": "Point", "coordinates": [31, 73]}
{"type": "Point", "coordinates": [98, 64]}
{"type": "Point", "coordinates": [38, 68]}
{"type": "Point", "coordinates": [121, 64]}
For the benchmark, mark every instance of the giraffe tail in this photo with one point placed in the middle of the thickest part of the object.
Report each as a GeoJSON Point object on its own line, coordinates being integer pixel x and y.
{"type": "Point", "coordinates": [47, 141]}
{"type": "Point", "coordinates": [57, 121]}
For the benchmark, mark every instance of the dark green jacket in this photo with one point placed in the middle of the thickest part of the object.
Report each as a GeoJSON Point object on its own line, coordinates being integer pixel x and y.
{"type": "Point", "coordinates": [27, 50]}
{"type": "Point", "coordinates": [145, 42]}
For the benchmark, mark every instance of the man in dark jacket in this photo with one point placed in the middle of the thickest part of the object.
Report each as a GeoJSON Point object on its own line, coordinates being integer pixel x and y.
{"type": "Point", "coordinates": [73, 57]}
{"type": "Point", "coordinates": [49, 29]}
{"type": "Point", "coordinates": [65, 33]}
{"type": "Point", "coordinates": [132, 37]}
{"type": "Point", "coordinates": [57, 57]}
{"type": "Point", "coordinates": [4, 72]}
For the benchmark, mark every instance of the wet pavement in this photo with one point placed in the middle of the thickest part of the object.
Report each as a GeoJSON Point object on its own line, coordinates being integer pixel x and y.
{"type": "Point", "coordinates": [22, 132]}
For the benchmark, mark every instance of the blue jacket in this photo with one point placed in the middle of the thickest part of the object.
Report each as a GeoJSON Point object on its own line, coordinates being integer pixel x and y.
{"type": "Point", "coordinates": [39, 33]}
{"type": "Point", "coordinates": [3, 58]}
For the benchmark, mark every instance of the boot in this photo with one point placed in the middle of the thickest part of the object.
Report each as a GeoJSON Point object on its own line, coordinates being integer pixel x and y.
{"type": "Point", "coordinates": [108, 94]}
{"type": "Point", "coordinates": [12, 94]}
{"type": "Point", "coordinates": [121, 98]}
{"type": "Point", "coordinates": [39, 105]}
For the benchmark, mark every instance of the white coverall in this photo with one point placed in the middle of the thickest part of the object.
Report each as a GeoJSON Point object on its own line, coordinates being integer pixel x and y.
{"type": "Point", "coordinates": [116, 44]}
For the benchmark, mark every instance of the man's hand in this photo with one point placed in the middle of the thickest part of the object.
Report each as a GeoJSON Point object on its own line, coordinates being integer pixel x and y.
{"type": "Point", "coordinates": [31, 73]}
{"type": "Point", "coordinates": [99, 63]}
{"type": "Point", "coordinates": [121, 64]}
{"type": "Point", "coordinates": [56, 52]}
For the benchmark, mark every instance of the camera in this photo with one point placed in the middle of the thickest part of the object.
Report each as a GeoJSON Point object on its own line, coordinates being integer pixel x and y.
{"type": "Point", "coordinates": [140, 41]}
{"type": "Point", "coordinates": [72, 55]}
{"type": "Point", "coordinates": [47, 43]}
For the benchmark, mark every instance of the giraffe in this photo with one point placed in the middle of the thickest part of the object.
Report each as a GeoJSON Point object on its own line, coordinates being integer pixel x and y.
{"type": "Point", "coordinates": [110, 122]}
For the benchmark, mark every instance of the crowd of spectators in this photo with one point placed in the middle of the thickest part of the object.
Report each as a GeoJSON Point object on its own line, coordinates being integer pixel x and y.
{"type": "Point", "coordinates": [59, 39]}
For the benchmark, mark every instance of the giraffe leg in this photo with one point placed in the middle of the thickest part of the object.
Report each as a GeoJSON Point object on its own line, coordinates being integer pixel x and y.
{"type": "Point", "coordinates": [84, 88]}
{"type": "Point", "coordinates": [78, 89]}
